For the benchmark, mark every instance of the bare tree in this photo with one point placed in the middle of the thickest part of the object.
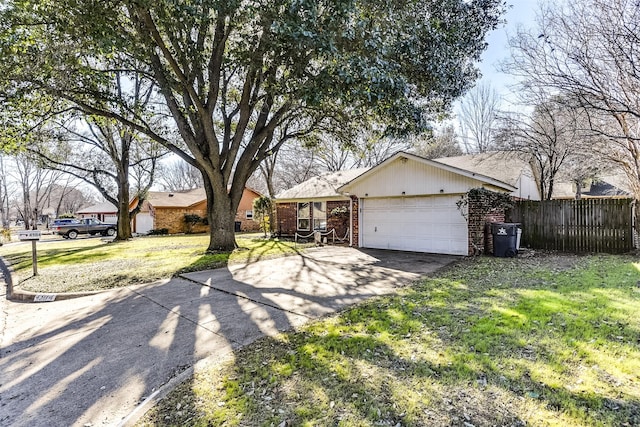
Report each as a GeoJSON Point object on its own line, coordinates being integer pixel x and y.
{"type": "Point", "coordinates": [295, 164]}
{"type": "Point", "coordinates": [4, 193]}
{"type": "Point", "coordinates": [35, 183]}
{"type": "Point", "coordinates": [477, 118]}
{"type": "Point", "coordinates": [107, 155]}
{"type": "Point", "coordinates": [178, 175]}
{"type": "Point", "coordinates": [550, 136]}
{"type": "Point", "coordinates": [590, 50]}
{"type": "Point", "coordinates": [440, 143]}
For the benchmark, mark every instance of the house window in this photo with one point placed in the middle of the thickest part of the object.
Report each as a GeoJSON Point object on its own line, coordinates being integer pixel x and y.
{"type": "Point", "coordinates": [248, 214]}
{"type": "Point", "coordinates": [320, 216]}
{"type": "Point", "coordinates": [303, 216]}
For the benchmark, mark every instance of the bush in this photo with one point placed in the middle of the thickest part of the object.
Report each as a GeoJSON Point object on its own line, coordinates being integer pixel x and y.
{"type": "Point", "coordinates": [159, 231]}
{"type": "Point", "coordinates": [191, 220]}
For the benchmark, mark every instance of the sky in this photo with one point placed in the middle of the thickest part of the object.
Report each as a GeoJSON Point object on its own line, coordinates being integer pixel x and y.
{"type": "Point", "coordinates": [519, 13]}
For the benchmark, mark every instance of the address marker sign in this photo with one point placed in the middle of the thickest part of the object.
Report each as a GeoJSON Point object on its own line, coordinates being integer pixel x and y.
{"type": "Point", "coordinates": [29, 235]}
{"type": "Point", "coordinates": [33, 236]}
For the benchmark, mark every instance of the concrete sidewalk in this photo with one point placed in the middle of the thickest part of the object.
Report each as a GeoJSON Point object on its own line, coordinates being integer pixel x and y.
{"type": "Point", "coordinates": [93, 360]}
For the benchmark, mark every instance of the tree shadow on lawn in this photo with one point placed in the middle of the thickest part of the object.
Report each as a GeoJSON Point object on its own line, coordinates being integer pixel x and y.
{"type": "Point", "coordinates": [447, 352]}
{"type": "Point", "coordinates": [22, 261]}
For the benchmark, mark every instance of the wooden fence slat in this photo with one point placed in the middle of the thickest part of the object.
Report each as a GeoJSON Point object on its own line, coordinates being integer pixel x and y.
{"type": "Point", "coordinates": [587, 225]}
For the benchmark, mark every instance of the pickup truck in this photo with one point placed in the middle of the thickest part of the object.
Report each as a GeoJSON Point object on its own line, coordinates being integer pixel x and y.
{"type": "Point", "coordinates": [91, 226]}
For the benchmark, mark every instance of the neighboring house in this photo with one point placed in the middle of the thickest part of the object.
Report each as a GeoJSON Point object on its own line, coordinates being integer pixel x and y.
{"type": "Point", "coordinates": [167, 210]}
{"type": "Point", "coordinates": [405, 203]}
{"type": "Point", "coordinates": [505, 166]}
{"type": "Point", "coordinates": [105, 212]}
{"type": "Point", "coordinates": [610, 186]}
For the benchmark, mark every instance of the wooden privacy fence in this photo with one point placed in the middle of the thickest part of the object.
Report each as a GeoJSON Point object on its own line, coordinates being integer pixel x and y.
{"type": "Point", "coordinates": [587, 225]}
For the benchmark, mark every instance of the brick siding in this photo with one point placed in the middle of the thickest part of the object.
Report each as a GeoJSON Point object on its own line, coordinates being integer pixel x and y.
{"type": "Point", "coordinates": [480, 237]}
{"type": "Point", "coordinates": [173, 220]}
{"type": "Point", "coordinates": [356, 220]}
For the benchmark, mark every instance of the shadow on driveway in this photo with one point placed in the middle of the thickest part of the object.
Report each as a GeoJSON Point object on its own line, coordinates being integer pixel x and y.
{"type": "Point", "coordinates": [92, 360]}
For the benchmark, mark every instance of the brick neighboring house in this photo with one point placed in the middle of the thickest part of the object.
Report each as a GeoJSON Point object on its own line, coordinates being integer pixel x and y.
{"type": "Point", "coordinates": [408, 203]}
{"type": "Point", "coordinates": [167, 209]}
{"type": "Point", "coordinates": [163, 209]}
{"type": "Point", "coordinates": [316, 205]}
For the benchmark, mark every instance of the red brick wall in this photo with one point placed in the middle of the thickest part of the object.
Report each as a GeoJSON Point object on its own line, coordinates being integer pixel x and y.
{"type": "Point", "coordinates": [173, 220]}
{"type": "Point", "coordinates": [480, 237]}
{"type": "Point", "coordinates": [356, 220]}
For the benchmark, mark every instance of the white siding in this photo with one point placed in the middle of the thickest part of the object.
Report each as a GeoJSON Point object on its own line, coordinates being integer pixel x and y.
{"type": "Point", "coordinates": [414, 179]}
{"type": "Point", "coordinates": [527, 188]}
{"type": "Point", "coordinates": [430, 224]}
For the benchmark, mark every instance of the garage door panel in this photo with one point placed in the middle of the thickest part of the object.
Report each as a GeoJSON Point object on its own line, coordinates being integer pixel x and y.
{"type": "Point", "coordinates": [422, 224]}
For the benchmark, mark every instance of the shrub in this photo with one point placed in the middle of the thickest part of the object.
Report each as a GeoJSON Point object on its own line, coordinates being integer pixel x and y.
{"type": "Point", "coordinates": [191, 220]}
{"type": "Point", "coordinates": [5, 235]}
{"type": "Point", "coordinates": [159, 231]}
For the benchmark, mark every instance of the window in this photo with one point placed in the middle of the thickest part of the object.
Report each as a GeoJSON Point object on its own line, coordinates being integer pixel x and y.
{"type": "Point", "coordinates": [320, 216]}
{"type": "Point", "coordinates": [248, 214]}
{"type": "Point", "coordinates": [303, 216]}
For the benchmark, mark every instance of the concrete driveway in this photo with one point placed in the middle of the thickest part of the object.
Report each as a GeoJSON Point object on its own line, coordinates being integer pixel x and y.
{"type": "Point", "coordinates": [94, 360]}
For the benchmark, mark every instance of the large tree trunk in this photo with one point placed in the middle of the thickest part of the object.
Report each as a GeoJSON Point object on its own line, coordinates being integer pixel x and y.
{"type": "Point", "coordinates": [124, 219]}
{"type": "Point", "coordinates": [221, 214]}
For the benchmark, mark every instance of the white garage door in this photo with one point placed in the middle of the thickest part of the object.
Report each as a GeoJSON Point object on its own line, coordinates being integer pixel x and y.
{"type": "Point", "coordinates": [421, 224]}
{"type": "Point", "coordinates": [144, 223]}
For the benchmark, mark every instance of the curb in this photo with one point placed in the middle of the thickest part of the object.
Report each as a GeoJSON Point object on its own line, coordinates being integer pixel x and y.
{"type": "Point", "coordinates": [26, 296]}
{"type": "Point", "coordinates": [139, 411]}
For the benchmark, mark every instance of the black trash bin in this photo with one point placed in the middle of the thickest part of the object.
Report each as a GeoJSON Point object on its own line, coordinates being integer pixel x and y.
{"type": "Point", "coordinates": [237, 225]}
{"type": "Point", "coordinates": [505, 237]}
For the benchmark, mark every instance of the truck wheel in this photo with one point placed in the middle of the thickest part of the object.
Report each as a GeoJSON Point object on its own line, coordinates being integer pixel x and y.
{"type": "Point", "coordinates": [72, 234]}
{"type": "Point", "coordinates": [111, 231]}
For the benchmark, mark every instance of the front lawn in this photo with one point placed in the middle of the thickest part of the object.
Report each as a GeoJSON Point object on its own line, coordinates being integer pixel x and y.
{"type": "Point", "coordinates": [95, 264]}
{"type": "Point", "coordinates": [547, 340]}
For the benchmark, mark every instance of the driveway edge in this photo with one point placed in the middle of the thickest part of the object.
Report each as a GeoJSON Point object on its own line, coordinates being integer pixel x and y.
{"type": "Point", "coordinates": [134, 416]}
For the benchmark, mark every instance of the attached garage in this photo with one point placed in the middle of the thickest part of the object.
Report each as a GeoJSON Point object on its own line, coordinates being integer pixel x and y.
{"type": "Point", "coordinates": [419, 224]}
{"type": "Point", "coordinates": [409, 203]}
{"type": "Point", "coordinates": [143, 223]}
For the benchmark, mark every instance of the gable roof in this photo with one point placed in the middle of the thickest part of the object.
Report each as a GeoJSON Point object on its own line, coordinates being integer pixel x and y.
{"type": "Point", "coordinates": [323, 186]}
{"type": "Point", "coordinates": [176, 199]}
{"type": "Point", "coordinates": [504, 166]}
{"type": "Point", "coordinates": [182, 199]}
{"type": "Point", "coordinates": [440, 165]}
{"type": "Point", "coordinates": [104, 207]}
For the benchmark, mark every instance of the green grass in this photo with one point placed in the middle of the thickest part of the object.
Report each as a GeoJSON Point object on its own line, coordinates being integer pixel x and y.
{"type": "Point", "coordinates": [548, 340]}
{"type": "Point", "coordinates": [95, 264]}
